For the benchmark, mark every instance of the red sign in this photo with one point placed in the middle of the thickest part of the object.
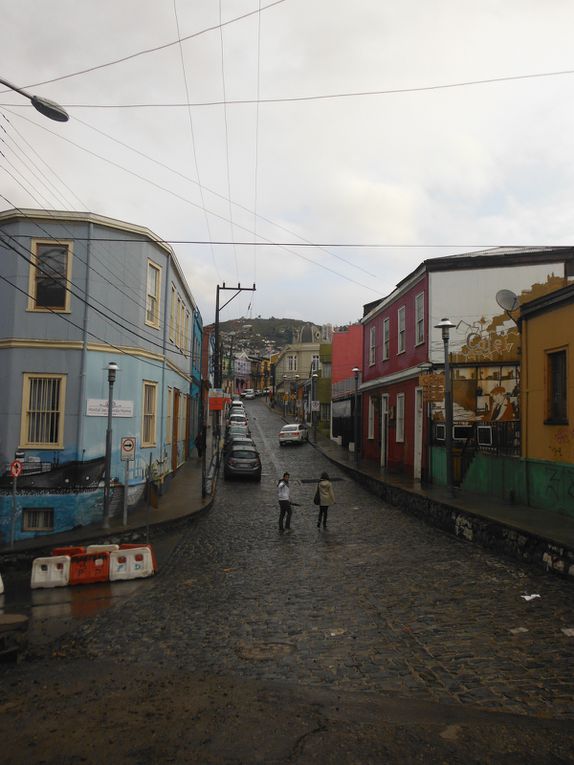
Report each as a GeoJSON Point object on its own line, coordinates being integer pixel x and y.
{"type": "Point", "coordinates": [16, 468]}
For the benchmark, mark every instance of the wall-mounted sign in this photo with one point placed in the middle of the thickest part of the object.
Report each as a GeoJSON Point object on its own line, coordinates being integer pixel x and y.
{"type": "Point", "coordinates": [128, 448]}
{"type": "Point", "coordinates": [98, 407]}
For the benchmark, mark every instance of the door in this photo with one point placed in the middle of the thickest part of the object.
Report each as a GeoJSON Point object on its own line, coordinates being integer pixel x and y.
{"type": "Point", "coordinates": [175, 429]}
{"type": "Point", "coordinates": [384, 429]}
{"type": "Point", "coordinates": [418, 453]}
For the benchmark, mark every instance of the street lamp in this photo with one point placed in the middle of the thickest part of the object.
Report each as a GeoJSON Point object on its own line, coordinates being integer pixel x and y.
{"type": "Point", "coordinates": [284, 397]}
{"type": "Point", "coordinates": [356, 372]}
{"type": "Point", "coordinates": [314, 378]}
{"type": "Point", "coordinates": [296, 398]}
{"type": "Point", "coordinates": [445, 325]}
{"type": "Point", "coordinates": [48, 108]}
{"type": "Point", "coordinates": [112, 370]}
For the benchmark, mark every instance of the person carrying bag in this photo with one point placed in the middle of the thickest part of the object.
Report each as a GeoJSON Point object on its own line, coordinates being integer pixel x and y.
{"type": "Point", "coordinates": [324, 497]}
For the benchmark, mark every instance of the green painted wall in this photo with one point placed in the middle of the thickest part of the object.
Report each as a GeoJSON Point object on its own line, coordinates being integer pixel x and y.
{"type": "Point", "coordinates": [548, 485]}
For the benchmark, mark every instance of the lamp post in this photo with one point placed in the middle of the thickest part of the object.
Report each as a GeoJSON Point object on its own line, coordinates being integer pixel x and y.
{"type": "Point", "coordinates": [356, 372]}
{"type": "Point", "coordinates": [296, 398]}
{"type": "Point", "coordinates": [445, 325]}
{"type": "Point", "coordinates": [284, 397]}
{"type": "Point", "coordinates": [314, 378]}
{"type": "Point", "coordinates": [112, 370]}
{"type": "Point", "coordinates": [48, 108]}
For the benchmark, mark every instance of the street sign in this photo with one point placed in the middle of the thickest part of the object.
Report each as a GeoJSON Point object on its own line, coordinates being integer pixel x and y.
{"type": "Point", "coordinates": [16, 468]}
{"type": "Point", "coordinates": [315, 406]}
{"type": "Point", "coordinates": [128, 448]}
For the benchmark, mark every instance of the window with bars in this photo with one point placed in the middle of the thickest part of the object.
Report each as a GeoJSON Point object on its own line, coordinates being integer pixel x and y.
{"type": "Point", "coordinates": [401, 316]}
{"type": "Point", "coordinates": [172, 314]}
{"type": "Point", "coordinates": [43, 406]}
{"type": "Point", "coordinates": [49, 277]}
{"type": "Point", "coordinates": [152, 294]}
{"type": "Point", "coordinates": [420, 318]}
{"type": "Point", "coordinates": [556, 397]}
{"type": "Point", "coordinates": [37, 519]}
{"type": "Point", "coordinates": [149, 414]}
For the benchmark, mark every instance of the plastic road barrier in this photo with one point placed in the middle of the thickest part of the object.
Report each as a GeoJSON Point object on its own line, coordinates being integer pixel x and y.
{"type": "Point", "coordinates": [101, 548]}
{"type": "Point", "coordinates": [1, 585]}
{"type": "Point", "coordinates": [132, 563]}
{"type": "Point", "coordinates": [150, 547]}
{"type": "Point", "coordinates": [90, 567]}
{"type": "Point", "coordinates": [68, 551]}
{"type": "Point", "coordinates": [50, 572]}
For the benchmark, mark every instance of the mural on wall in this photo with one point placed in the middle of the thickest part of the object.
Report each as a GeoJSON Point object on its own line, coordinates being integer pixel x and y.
{"type": "Point", "coordinates": [40, 475]}
{"type": "Point", "coordinates": [483, 394]}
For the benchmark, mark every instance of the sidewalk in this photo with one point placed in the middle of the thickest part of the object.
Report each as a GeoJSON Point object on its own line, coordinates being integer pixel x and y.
{"type": "Point", "coordinates": [182, 499]}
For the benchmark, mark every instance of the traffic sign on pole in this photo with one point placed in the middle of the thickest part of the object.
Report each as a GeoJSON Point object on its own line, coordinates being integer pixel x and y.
{"type": "Point", "coordinates": [16, 468]}
{"type": "Point", "coordinates": [128, 448]}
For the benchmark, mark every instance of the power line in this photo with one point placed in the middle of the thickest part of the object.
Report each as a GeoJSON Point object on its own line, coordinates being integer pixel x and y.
{"type": "Point", "coordinates": [194, 204]}
{"type": "Point", "coordinates": [320, 96]}
{"type": "Point", "coordinates": [156, 48]}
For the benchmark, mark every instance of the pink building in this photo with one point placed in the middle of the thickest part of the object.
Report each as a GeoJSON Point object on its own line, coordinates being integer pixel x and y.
{"type": "Point", "coordinates": [346, 354]}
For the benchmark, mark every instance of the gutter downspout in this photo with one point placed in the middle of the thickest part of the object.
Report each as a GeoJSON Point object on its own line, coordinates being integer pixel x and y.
{"type": "Point", "coordinates": [83, 363]}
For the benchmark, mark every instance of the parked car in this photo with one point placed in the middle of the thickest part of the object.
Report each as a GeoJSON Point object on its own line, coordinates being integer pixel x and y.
{"type": "Point", "coordinates": [242, 461]}
{"type": "Point", "coordinates": [293, 434]}
{"type": "Point", "coordinates": [237, 419]}
{"type": "Point", "coordinates": [238, 441]}
{"type": "Point", "coordinates": [248, 393]}
{"type": "Point", "coordinates": [237, 430]}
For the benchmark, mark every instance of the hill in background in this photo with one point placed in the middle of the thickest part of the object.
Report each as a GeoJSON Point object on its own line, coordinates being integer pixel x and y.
{"type": "Point", "coordinates": [259, 336]}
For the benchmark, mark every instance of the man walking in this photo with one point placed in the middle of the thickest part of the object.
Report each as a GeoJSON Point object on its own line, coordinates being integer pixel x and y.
{"type": "Point", "coordinates": [284, 498]}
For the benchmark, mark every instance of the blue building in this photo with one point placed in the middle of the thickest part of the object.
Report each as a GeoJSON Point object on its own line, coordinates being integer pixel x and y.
{"type": "Point", "coordinates": [78, 292]}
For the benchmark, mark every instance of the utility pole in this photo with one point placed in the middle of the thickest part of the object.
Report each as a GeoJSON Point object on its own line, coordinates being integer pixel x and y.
{"type": "Point", "coordinates": [218, 308]}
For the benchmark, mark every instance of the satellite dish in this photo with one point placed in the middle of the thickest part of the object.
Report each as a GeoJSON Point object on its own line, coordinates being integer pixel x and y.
{"type": "Point", "coordinates": [507, 300]}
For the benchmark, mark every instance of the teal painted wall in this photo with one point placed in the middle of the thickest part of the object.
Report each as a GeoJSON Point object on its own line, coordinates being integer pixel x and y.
{"type": "Point", "coordinates": [438, 465]}
{"type": "Point", "coordinates": [547, 485]}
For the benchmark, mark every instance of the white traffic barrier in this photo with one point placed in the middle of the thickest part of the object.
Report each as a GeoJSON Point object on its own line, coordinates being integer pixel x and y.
{"type": "Point", "coordinates": [102, 548]}
{"type": "Point", "coordinates": [1, 585]}
{"type": "Point", "coordinates": [50, 572]}
{"type": "Point", "coordinates": [135, 563]}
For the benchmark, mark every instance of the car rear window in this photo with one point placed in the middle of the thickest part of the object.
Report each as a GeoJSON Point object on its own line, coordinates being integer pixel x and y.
{"type": "Point", "coordinates": [290, 428]}
{"type": "Point", "coordinates": [245, 454]}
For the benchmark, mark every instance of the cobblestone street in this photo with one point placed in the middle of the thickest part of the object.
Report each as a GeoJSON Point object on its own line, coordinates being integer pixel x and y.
{"type": "Point", "coordinates": [378, 604]}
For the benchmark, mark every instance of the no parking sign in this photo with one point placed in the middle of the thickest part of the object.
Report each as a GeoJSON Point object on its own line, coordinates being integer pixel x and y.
{"type": "Point", "coordinates": [128, 448]}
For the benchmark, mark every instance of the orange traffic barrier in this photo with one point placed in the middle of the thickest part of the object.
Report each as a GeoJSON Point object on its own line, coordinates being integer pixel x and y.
{"type": "Point", "coordinates": [89, 568]}
{"type": "Point", "coordinates": [68, 551]}
{"type": "Point", "coordinates": [150, 548]}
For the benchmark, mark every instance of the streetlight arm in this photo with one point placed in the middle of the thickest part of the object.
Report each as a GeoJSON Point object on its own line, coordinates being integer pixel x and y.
{"type": "Point", "coordinates": [45, 106]}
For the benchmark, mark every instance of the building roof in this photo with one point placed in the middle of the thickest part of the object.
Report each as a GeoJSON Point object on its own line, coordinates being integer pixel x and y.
{"type": "Point", "coordinates": [548, 302]}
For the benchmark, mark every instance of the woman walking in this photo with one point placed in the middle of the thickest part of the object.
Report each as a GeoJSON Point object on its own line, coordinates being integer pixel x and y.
{"type": "Point", "coordinates": [326, 498]}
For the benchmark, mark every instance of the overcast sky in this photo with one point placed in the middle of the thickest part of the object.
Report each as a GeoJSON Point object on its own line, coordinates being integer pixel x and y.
{"type": "Point", "coordinates": [423, 173]}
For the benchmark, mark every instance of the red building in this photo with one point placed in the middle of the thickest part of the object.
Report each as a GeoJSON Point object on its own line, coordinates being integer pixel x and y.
{"type": "Point", "coordinates": [395, 343]}
{"type": "Point", "coordinates": [346, 354]}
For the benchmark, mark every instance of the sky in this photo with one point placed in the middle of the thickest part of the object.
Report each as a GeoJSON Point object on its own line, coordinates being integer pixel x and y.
{"type": "Point", "coordinates": [245, 131]}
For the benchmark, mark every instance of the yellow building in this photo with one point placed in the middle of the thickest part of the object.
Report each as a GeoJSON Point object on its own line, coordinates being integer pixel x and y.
{"type": "Point", "coordinates": [547, 379]}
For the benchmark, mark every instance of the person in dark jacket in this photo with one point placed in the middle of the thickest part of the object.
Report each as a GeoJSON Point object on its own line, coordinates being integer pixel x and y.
{"type": "Point", "coordinates": [326, 498]}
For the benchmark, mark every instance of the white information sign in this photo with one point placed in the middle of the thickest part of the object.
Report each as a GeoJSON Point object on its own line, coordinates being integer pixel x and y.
{"type": "Point", "coordinates": [98, 407]}
{"type": "Point", "coordinates": [128, 448]}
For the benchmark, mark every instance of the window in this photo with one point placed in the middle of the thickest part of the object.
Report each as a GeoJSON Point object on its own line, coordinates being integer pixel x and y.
{"type": "Point", "coordinates": [420, 318]}
{"type": "Point", "coordinates": [37, 519]}
{"type": "Point", "coordinates": [386, 337]}
{"type": "Point", "coordinates": [400, 432]}
{"type": "Point", "coordinates": [556, 410]}
{"type": "Point", "coordinates": [371, 420]}
{"type": "Point", "coordinates": [372, 345]}
{"type": "Point", "coordinates": [325, 412]}
{"type": "Point", "coordinates": [172, 314]}
{"type": "Point", "coordinates": [314, 363]}
{"type": "Point", "coordinates": [402, 329]}
{"type": "Point", "coordinates": [50, 274]}
{"type": "Point", "coordinates": [186, 338]}
{"type": "Point", "coordinates": [43, 406]}
{"type": "Point", "coordinates": [291, 363]}
{"type": "Point", "coordinates": [152, 295]}
{"type": "Point", "coordinates": [149, 413]}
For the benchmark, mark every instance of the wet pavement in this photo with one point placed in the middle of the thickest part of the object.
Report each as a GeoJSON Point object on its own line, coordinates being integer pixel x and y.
{"type": "Point", "coordinates": [377, 603]}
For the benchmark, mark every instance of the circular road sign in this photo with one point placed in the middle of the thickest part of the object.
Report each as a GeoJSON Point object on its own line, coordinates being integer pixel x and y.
{"type": "Point", "coordinates": [128, 448]}
{"type": "Point", "coordinates": [16, 468]}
